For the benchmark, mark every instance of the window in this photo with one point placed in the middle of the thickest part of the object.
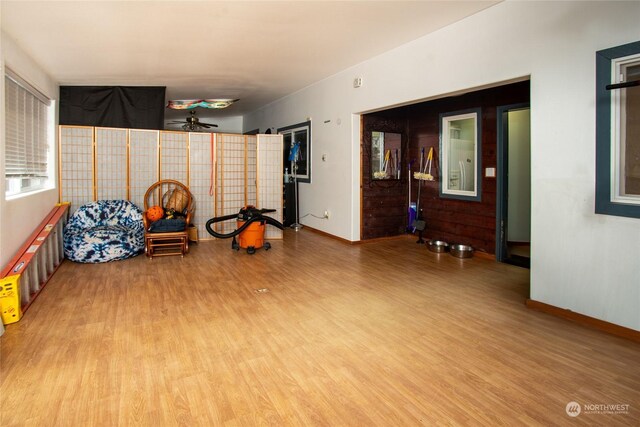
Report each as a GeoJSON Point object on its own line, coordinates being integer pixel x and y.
{"type": "Point", "coordinates": [618, 131]}
{"type": "Point", "coordinates": [459, 155]}
{"type": "Point", "coordinates": [27, 134]}
{"type": "Point", "coordinates": [298, 136]}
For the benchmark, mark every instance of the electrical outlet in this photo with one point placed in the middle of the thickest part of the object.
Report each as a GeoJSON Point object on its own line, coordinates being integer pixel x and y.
{"type": "Point", "coordinates": [326, 214]}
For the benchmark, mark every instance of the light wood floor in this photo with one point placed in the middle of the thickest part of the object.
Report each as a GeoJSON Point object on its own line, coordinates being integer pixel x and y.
{"type": "Point", "coordinates": [382, 334]}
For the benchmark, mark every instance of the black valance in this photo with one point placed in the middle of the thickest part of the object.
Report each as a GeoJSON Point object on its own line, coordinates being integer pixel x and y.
{"type": "Point", "coordinates": [136, 107]}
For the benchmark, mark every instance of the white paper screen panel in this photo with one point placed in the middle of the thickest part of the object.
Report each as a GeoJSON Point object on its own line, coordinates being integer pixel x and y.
{"type": "Point", "coordinates": [270, 179]}
{"type": "Point", "coordinates": [111, 164]}
{"type": "Point", "coordinates": [76, 165]}
{"type": "Point", "coordinates": [201, 180]}
{"type": "Point", "coordinates": [230, 180]}
{"type": "Point", "coordinates": [245, 170]}
{"type": "Point", "coordinates": [173, 156]}
{"type": "Point", "coordinates": [143, 163]}
{"type": "Point", "coordinates": [252, 158]}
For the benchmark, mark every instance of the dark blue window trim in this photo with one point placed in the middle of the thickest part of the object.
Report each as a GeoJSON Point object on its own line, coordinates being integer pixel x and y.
{"type": "Point", "coordinates": [478, 197]}
{"type": "Point", "coordinates": [604, 205]}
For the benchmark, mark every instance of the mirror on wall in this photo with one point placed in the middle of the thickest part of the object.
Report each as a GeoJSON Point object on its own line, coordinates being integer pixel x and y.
{"type": "Point", "coordinates": [386, 152]}
{"type": "Point", "coordinates": [459, 155]}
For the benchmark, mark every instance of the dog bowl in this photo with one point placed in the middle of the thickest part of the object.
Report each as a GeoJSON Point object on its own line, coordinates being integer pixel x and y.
{"type": "Point", "coordinates": [438, 246]}
{"type": "Point", "coordinates": [461, 251]}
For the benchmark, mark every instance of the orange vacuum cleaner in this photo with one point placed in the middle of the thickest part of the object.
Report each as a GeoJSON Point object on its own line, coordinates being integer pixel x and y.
{"type": "Point", "coordinates": [251, 223]}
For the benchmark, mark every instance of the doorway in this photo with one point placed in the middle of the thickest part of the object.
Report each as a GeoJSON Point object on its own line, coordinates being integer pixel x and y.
{"type": "Point", "coordinates": [513, 219]}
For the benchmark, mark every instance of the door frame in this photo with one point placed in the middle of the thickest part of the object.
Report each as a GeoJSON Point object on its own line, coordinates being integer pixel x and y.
{"type": "Point", "coordinates": [502, 180]}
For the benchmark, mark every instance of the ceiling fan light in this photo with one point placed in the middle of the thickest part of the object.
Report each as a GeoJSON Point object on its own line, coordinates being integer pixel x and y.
{"type": "Point", "coordinates": [182, 104]}
{"type": "Point", "coordinates": [187, 104]}
{"type": "Point", "coordinates": [218, 103]}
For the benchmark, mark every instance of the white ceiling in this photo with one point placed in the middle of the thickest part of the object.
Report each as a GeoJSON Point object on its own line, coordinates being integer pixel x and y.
{"type": "Point", "coordinates": [256, 51]}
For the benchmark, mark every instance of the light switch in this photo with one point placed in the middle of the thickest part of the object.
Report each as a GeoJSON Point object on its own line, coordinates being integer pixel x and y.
{"type": "Point", "coordinates": [490, 172]}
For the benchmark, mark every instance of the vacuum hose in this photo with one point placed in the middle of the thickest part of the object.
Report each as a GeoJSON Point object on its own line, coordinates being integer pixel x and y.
{"type": "Point", "coordinates": [249, 215]}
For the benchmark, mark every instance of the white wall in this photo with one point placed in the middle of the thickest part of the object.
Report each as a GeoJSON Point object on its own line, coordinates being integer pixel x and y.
{"type": "Point", "coordinates": [519, 181]}
{"type": "Point", "coordinates": [580, 261]}
{"type": "Point", "coordinates": [19, 217]}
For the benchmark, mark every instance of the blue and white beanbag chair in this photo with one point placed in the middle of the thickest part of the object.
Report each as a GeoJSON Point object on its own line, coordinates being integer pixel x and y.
{"type": "Point", "coordinates": [102, 231]}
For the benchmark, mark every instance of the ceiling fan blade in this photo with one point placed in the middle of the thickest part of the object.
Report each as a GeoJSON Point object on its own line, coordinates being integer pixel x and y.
{"type": "Point", "coordinates": [208, 124]}
{"type": "Point", "coordinates": [176, 121]}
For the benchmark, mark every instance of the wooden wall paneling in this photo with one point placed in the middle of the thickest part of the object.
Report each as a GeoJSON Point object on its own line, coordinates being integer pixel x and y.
{"type": "Point", "coordinates": [362, 162]}
{"type": "Point", "coordinates": [452, 220]}
{"type": "Point", "coordinates": [143, 163]}
{"type": "Point", "coordinates": [384, 202]}
{"type": "Point", "coordinates": [111, 164]}
{"type": "Point", "coordinates": [201, 178]}
{"type": "Point", "coordinates": [76, 165]}
{"type": "Point", "coordinates": [270, 179]}
{"type": "Point", "coordinates": [174, 156]}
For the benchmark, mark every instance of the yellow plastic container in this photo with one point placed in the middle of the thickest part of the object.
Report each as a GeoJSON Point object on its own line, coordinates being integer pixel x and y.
{"type": "Point", "coordinates": [10, 309]}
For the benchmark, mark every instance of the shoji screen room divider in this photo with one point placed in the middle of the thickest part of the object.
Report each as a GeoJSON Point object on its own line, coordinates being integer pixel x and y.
{"type": "Point", "coordinates": [223, 171]}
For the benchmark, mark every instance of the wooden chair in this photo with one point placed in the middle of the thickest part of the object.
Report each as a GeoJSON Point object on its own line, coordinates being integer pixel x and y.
{"type": "Point", "coordinates": [168, 194]}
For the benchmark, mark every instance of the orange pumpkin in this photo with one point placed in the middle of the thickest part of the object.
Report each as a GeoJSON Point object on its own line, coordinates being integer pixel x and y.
{"type": "Point", "coordinates": [155, 213]}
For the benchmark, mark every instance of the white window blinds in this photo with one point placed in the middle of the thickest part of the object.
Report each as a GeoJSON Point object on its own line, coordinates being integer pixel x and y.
{"type": "Point", "coordinates": [26, 136]}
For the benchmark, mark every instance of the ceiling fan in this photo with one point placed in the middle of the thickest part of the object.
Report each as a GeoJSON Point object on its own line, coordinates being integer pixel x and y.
{"type": "Point", "coordinates": [193, 124]}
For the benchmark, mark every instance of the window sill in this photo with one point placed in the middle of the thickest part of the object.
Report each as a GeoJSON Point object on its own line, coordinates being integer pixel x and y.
{"type": "Point", "coordinates": [28, 193]}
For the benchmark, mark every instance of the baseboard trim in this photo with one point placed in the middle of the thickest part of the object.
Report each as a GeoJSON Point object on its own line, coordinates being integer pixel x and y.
{"type": "Point", "coordinates": [357, 242]}
{"type": "Point", "coordinates": [581, 319]}
{"type": "Point", "coordinates": [407, 236]}
{"type": "Point", "coordinates": [382, 239]}
{"type": "Point", "coordinates": [485, 255]}
{"type": "Point", "coordinates": [331, 236]}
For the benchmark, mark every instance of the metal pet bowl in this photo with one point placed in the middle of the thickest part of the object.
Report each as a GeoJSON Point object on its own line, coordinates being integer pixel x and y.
{"type": "Point", "coordinates": [438, 246]}
{"type": "Point", "coordinates": [461, 251]}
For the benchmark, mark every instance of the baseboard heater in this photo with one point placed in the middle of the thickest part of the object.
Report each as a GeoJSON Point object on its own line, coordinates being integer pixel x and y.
{"type": "Point", "coordinates": [28, 272]}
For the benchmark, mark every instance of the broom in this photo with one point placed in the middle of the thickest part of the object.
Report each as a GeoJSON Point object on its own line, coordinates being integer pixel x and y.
{"type": "Point", "coordinates": [419, 224]}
